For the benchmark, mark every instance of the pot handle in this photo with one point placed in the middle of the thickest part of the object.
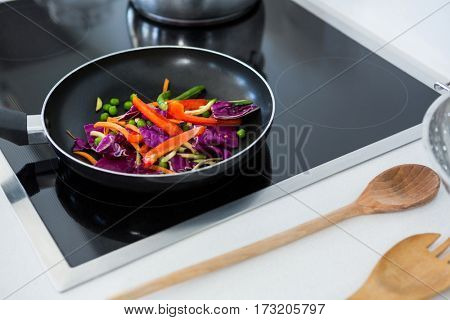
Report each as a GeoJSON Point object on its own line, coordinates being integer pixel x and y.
{"type": "Point", "coordinates": [18, 128]}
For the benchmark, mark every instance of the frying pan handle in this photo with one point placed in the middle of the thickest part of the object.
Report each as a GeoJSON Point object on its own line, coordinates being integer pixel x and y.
{"type": "Point", "coordinates": [18, 128]}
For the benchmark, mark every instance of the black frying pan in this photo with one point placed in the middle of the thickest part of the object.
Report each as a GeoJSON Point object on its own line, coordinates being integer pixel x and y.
{"type": "Point", "coordinates": [70, 105]}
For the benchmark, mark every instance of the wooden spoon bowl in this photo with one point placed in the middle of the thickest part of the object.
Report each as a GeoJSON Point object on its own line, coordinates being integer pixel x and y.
{"type": "Point", "coordinates": [399, 188]}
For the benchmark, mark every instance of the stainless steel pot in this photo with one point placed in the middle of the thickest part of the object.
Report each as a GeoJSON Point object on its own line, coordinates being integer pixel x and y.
{"type": "Point", "coordinates": [193, 12]}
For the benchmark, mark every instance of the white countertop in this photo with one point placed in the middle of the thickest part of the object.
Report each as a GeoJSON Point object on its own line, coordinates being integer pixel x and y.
{"type": "Point", "coordinates": [328, 265]}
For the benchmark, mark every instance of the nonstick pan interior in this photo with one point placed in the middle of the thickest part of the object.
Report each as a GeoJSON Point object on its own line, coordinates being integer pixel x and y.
{"type": "Point", "coordinates": [72, 102]}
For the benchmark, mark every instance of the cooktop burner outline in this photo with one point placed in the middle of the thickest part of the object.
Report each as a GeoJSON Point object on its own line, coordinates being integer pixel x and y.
{"type": "Point", "coordinates": [397, 85]}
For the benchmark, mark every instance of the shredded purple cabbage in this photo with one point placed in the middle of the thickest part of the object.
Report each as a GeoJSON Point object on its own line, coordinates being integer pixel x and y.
{"type": "Point", "coordinates": [227, 110]}
{"type": "Point", "coordinates": [180, 164]}
{"type": "Point", "coordinates": [220, 136]}
{"type": "Point", "coordinates": [80, 145]}
{"type": "Point", "coordinates": [153, 135]}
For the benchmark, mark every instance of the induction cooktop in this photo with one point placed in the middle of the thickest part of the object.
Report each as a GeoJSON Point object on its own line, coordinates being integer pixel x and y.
{"type": "Point", "coordinates": [337, 104]}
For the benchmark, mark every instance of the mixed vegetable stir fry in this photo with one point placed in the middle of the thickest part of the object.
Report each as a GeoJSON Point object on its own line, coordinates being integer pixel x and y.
{"type": "Point", "coordinates": [167, 136]}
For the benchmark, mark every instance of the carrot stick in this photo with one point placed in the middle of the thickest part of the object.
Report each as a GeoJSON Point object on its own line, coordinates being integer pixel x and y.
{"type": "Point", "coordinates": [163, 170]}
{"type": "Point", "coordinates": [114, 120]}
{"type": "Point", "coordinates": [87, 156]}
{"type": "Point", "coordinates": [176, 121]}
{"type": "Point", "coordinates": [112, 126]}
{"type": "Point", "coordinates": [132, 127]}
{"type": "Point", "coordinates": [166, 85]}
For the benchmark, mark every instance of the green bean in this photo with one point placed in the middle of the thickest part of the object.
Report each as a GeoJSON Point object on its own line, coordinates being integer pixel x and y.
{"type": "Point", "coordinates": [241, 102]}
{"type": "Point", "coordinates": [192, 156]}
{"type": "Point", "coordinates": [192, 92]}
{"type": "Point", "coordinates": [162, 98]}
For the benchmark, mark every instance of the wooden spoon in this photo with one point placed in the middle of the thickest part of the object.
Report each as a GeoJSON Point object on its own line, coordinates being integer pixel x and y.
{"type": "Point", "coordinates": [396, 189]}
{"type": "Point", "coordinates": [409, 271]}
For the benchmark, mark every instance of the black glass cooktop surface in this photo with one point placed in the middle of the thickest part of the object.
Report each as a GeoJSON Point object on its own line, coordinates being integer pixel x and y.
{"type": "Point", "coordinates": [328, 101]}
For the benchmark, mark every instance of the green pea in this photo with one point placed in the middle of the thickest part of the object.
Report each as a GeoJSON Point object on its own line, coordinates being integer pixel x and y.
{"type": "Point", "coordinates": [141, 123]}
{"type": "Point", "coordinates": [131, 121]}
{"type": "Point", "coordinates": [132, 95]}
{"type": "Point", "coordinates": [149, 123]}
{"type": "Point", "coordinates": [113, 110]}
{"type": "Point", "coordinates": [127, 105]}
{"type": "Point", "coordinates": [206, 114]}
{"type": "Point", "coordinates": [114, 102]}
{"type": "Point", "coordinates": [104, 116]}
{"type": "Point", "coordinates": [163, 164]}
{"type": "Point", "coordinates": [241, 133]}
{"type": "Point", "coordinates": [97, 141]}
{"type": "Point", "coordinates": [106, 107]}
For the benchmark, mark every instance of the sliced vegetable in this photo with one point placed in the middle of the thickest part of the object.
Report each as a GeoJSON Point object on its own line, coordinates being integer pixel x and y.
{"type": "Point", "coordinates": [132, 127]}
{"type": "Point", "coordinates": [161, 169]}
{"type": "Point", "coordinates": [165, 85]}
{"type": "Point", "coordinates": [241, 102]}
{"type": "Point", "coordinates": [202, 110]}
{"type": "Point", "coordinates": [98, 105]}
{"type": "Point", "coordinates": [87, 156]}
{"type": "Point", "coordinates": [192, 156]}
{"type": "Point", "coordinates": [179, 164]}
{"type": "Point", "coordinates": [171, 144]}
{"type": "Point", "coordinates": [97, 134]}
{"type": "Point", "coordinates": [176, 121]}
{"type": "Point", "coordinates": [193, 104]}
{"type": "Point", "coordinates": [115, 120]}
{"type": "Point", "coordinates": [112, 126]}
{"type": "Point", "coordinates": [169, 156]}
{"type": "Point", "coordinates": [163, 164]}
{"type": "Point", "coordinates": [192, 92]}
{"type": "Point", "coordinates": [134, 137]}
{"type": "Point", "coordinates": [153, 136]}
{"type": "Point", "coordinates": [162, 100]}
{"type": "Point", "coordinates": [152, 115]}
{"type": "Point", "coordinates": [176, 110]}
{"type": "Point", "coordinates": [227, 110]}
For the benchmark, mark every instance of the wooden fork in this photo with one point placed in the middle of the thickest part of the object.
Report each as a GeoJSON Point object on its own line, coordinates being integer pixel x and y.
{"type": "Point", "coordinates": [409, 270]}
